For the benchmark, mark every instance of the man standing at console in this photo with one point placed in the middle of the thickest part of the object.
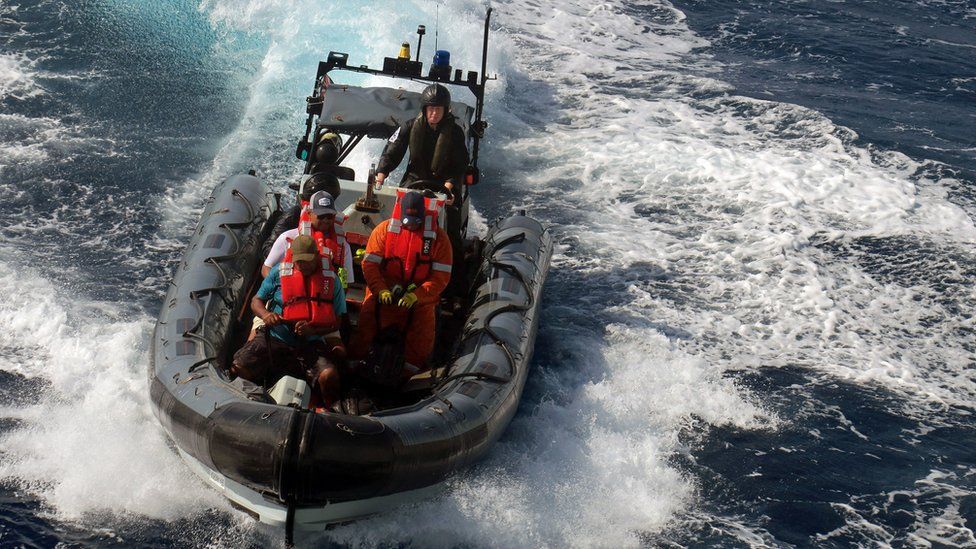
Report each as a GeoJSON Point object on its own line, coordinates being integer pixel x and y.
{"type": "Point", "coordinates": [437, 149]}
{"type": "Point", "coordinates": [438, 154]}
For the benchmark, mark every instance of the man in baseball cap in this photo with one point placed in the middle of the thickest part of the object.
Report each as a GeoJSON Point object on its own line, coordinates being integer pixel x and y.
{"type": "Point", "coordinates": [407, 265]}
{"type": "Point", "coordinates": [321, 218]}
{"type": "Point", "coordinates": [323, 204]}
{"type": "Point", "coordinates": [412, 210]}
{"type": "Point", "coordinates": [306, 345]}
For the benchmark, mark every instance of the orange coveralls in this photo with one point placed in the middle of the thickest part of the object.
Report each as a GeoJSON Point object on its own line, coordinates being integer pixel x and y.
{"type": "Point", "coordinates": [420, 333]}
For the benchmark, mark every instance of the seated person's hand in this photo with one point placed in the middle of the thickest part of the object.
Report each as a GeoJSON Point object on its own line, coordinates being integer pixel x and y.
{"type": "Point", "coordinates": [449, 187]}
{"type": "Point", "coordinates": [380, 178]}
{"type": "Point", "coordinates": [272, 319]}
{"type": "Point", "coordinates": [386, 297]}
{"type": "Point", "coordinates": [408, 300]}
{"type": "Point", "coordinates": [302, 328]}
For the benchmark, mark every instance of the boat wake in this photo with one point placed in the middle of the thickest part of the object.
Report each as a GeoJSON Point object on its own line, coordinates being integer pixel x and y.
{"type": "Point", "coordinates": [701, 236]}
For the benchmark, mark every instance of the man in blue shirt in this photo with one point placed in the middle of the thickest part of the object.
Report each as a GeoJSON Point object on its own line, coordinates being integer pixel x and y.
{"type": "Point", "coordinates": [297, 348]}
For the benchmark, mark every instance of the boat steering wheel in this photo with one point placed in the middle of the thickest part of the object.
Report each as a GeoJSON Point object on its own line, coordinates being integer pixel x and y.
{"type": "Point", "coordinates": [428, 187]}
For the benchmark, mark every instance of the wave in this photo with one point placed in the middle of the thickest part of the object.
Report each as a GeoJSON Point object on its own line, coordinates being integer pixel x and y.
{"type": "Point", "coordinates": [87, 440]}
{"type": "Point", "coordinates": [18, 77]}
{"type": "Point", "coordinates": [701, 234]}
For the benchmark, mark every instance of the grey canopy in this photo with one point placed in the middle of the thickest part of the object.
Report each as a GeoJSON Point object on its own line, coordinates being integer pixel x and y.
{"type": "Point", "coordinates": [377, 112]}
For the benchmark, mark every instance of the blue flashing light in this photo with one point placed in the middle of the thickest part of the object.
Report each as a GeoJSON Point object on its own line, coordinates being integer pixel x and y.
{"type": "Point", "coordinates": [442, 58]}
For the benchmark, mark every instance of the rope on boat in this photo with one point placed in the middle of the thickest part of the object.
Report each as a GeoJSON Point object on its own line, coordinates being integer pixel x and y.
{"type": "Point", "coordinates": [486, 329]}
{"type": "Point", "coordinates": [195, 295]}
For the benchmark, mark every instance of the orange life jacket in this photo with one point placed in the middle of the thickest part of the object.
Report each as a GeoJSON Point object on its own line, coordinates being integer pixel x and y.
{"type": "Point", "coordinates": [407, 254]}
{"type": "Point", "coordinates": [332, 246]}
{"type": "Point", "coordinates": [308, 299]}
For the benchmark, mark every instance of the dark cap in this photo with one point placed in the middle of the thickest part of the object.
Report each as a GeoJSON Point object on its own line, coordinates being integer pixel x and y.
{"type": "Point", "coordinates": [303, 248]}
{"type": "Point", "coordinates": [322, 203]}
{"type": "Point", "coordinates": [412, 208]}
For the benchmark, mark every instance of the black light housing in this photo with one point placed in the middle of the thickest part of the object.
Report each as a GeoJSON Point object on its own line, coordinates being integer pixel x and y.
{"type": "Point", "coordinates": [338, 59]}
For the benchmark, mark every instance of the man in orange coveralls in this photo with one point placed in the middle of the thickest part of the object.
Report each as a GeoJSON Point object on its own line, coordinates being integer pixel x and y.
{"type": "Point", "coordinates": [407, 264]}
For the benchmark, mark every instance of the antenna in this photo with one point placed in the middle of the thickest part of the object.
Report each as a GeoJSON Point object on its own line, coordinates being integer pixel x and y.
{"type": "Point", "coordinates": [421, 31]}
{"type": "Point", "coordinates": [437, 21]}
{"type": "Point", "coordinates": [478, 128]}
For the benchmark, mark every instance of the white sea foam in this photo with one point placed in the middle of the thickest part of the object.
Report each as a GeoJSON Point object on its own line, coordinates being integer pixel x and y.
{"type": "Point", "coordinates": [18, 77]}
{"type": "Point", "coordinates": [87, 442]}
{"type": "Point", "coordinates": [33, 141]}
{"type": "Point", "coordinates": [726, 193]}
{"type": "Point", "coordinates": [950, 528]}
{"type": "Point", "coordinates": [26, 139]}
{"type": "Point", "coordinates": [939, 489]}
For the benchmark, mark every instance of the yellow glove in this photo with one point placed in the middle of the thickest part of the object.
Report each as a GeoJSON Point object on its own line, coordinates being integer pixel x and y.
{"type": "Point", "coordinates": [342, 277]}
{"type": "Point", "coordinates": [407, 300]}
{"type": "Point", "coordinates": [386, 297]}
{"type": "Point", "coordinates": [360, 253]}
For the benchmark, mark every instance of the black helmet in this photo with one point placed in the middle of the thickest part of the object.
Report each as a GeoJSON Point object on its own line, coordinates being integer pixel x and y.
{"type": "Point", "coordinates": [435, 95]}
{"type": "Point", "coordinates": [327, 151]}
{"type": "Point", "coordinates": [321, 181]}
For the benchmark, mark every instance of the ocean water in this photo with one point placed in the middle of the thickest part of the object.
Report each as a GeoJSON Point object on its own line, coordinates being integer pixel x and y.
{"type": "Point", "coordinates": [758, 328]}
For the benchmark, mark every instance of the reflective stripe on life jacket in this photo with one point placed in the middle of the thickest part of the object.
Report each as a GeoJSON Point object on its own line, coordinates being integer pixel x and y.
{"type": "Point", "coordinates": [308, 299]}
{"type": "Point", "coordinates": [407, 254]}
{"type": "Point", "coordinates": [335, 242]}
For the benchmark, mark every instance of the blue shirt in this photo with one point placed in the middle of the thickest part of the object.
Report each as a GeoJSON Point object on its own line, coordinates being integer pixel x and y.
{"type": "Point", "coordinates": [270, 294]}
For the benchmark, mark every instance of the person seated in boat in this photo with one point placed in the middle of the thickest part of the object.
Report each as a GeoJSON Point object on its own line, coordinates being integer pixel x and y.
{"type": "Point", "coordinates": [407, 265]}
{"type": "Point", "coordinates": [327, 182]}
{"type": "Point", "coordinates": [318, 220]}
{"type": "Point", "coordinates": [300, 303]}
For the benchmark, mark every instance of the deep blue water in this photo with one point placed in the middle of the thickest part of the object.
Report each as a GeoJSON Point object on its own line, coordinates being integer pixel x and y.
{"type": "Point", "coordinates": [755, 418]}
{"type": "Point", "coordinates": [900, 74]}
